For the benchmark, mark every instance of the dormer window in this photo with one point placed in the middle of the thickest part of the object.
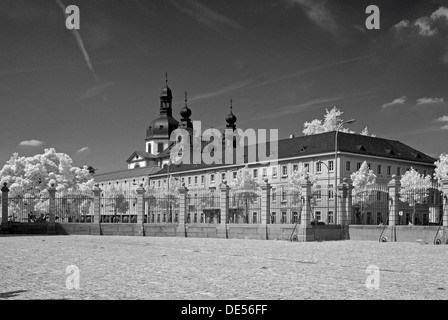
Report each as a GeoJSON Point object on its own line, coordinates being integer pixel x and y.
{"type": "Point", "coordinates": [161, 127]}
{"type": "Point", "coordinates": [303, 149]}
{"type": "Point", "coordinates": [360, 147]}
{"type": "Point", "coordinates": [390, 151]}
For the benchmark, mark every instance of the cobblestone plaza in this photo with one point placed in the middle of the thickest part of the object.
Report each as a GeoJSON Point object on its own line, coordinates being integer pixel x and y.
{"type": "Point", "coordinates": [118, 267]}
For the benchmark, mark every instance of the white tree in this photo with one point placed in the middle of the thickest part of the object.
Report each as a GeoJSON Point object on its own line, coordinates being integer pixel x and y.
{"type": "Point", "coordinates": [35, 174]}
{"type": "Point", "coordinates": [414, 189]}
{"type": "Point", "coordinates": [245, 188]}
{"type": "Point", "coordinates": [298, 178]}
{"type": "Point", "coordinates": [332, 119]}
{"type": "Point", "coordinates": [363, 181]}
{"type": "Point", "coordinates": [441, 171]}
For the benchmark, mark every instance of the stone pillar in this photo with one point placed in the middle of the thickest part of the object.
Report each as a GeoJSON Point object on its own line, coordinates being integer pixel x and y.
{"type": "Point", "coordinates": [224, 202]}
{"type": "Point", "coordinates": [394, 195]}
{"type": "Point", "coordinates": [224, 208]}
{"type": "Point", "coordinates": [4, 225]}
{"type": "Point", "coordinates": [97, 204]}
{"type": "Point", "coordinates": [306, 203]}
{"type": "Point", "coordinates": [445, 203]}
{"type": "Point", "coordinates": [51, 228]}
{"type": "Point", "coordinates": [181, 227]}
{"type": "Point", "coordinates": [140, 204]}
{"type": "Point", "coordinates": [265, 203]}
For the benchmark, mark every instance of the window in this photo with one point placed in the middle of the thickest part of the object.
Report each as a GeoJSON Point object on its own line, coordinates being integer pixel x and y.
{"type": "Point", "coordinates": [196, 180]}
{"type": "Point", "coordinates": [273, 217]}
{"type": "Point", "coordinates": [330, 217]}
{"type": "Point", "coordinates": [153, 183]}
{"type": "Point", "coordinates": [283, 195]}
{"type": "Point", "coordinates": [347, 166]}
{"type": "Point", "coordinates": [331, 165]}
{"type": "Point", "coordinates": [265, 172]}
{"type": "Point", "coordinates": [158, 183]}
{"type": "Point", "coordinates": [283, 217]}
{"type": "Point", "coordinates": [358, 165]}
{"type": "Point", "coordinates": [189, 181]}
{"type": "Point", "coordinates": [202, 179]}
{"type": "Point", "coordinates": [389, 170]}
{"type": "Point", "coordinates": [274, 194]}
{"type": "Point", "coordinates": [274, 172]}
{"type": "Point", "coordinates": [425, 172]}
{"type": "Point", "coordinates": [160, 147]}
{"type": "Point", "coordinates": [369, 165]}
{"type": "Point", "coordinates": [379, 218]}
{"type": "Point", "coordinates": [398, 171]}
{"type": "Point", "coordinates": [318, 192]}
{"type": "Point", "coordinates": [234, 173]}
{"type": "Point", "coordinates": [149, 148]}
{"type": "Point", "coordinates": [378, 169]}
{"type": "Point", "coordinates": [182, 179]}
{"type": "Point", "coordinates": [212, 178]}
{"type": "Point", "coordinates": [319, 167]}
{"type": "Point", "coordinates": [369, 218]}
{"type": "Point", "coordinates": [284, 171]}
{"type": "Point", "coordinates": [318, 215]}
{"type": "Point", "coordinates": [295, 217]}
{"type": "Point", "coordinates": [255, 173]}
{"type": "Point", "coordinates": [330, 191]}
{"type": "Point", "coordinates": [307, 166]}
{"type": "Point", "coordinates": [254, 217]}
{"type": "Point", "coordinates": [295, 168]}
{"type": "Point", "coordinates": [378, 195]}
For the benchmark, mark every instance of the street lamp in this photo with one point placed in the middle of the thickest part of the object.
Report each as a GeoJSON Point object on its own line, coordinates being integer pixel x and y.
{"type": "Point", "coordinates": [336, 168]}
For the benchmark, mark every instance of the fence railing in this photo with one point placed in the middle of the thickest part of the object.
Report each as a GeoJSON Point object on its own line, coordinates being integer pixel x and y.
{"type": "Point", "coordinates": [118, 208]}
{"type": "Point", "coordinates": [28, 208]}
{"type": "Point", "coordinates": [244, 206]}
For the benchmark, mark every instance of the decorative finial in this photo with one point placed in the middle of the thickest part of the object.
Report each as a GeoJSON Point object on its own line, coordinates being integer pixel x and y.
{"type": "Point", "coordinates": [166, 78]}
{"type": "Point", "coordinates": [231, 105]}
{"type": "Point", "coordinates": [186, 97]}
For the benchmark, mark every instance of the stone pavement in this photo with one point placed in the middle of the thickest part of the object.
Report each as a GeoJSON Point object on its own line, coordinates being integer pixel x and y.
{"type": "Point", "coordinates": [117, 267]}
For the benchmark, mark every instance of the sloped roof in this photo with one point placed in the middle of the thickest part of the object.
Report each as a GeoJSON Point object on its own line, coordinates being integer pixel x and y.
{"type": "Point", "coordinates": [143, 154]}
{"type": "Point", "coordinates": [126, 174]}
{"type": "Point", "coordinates": [324, 143]}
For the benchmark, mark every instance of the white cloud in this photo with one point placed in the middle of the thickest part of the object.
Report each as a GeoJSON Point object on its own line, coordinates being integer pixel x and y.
{"type": "Point", "coordinates": [445, 127]}
{"type": "Point", "coordinates": [429, 100]}
{"type": "Point", "coordinates": [83, 149]}
{"type": "Point", "coordinates": [426, 26]}
{"type": "Point", "coordinates": [442, 119]}
{"type": "Point", "coordinates": [31, 143]}
{"type": "Point", "coordinates": [204, 14]}
{"type": "Point", "coordinates": [318, 12]}
{"type": "Point", "coordinates": [398, 101]}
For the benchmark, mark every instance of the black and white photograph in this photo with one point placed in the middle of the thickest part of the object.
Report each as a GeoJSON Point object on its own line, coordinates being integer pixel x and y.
{"type": "Point", "coordinates": [223, 155]}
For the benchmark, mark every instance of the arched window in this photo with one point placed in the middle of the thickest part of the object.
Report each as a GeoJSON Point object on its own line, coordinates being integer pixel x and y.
{"type": "Point", "coordinates": [136, 166]}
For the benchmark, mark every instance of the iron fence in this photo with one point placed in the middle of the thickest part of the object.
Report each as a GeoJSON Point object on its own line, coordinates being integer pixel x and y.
{"type": "Point", "coordinates": [245, 206]}
{"type": "Point", "coordinates": [203, 206]}
{"type": "Point", "coordinates": [286, 205]}
{"type": "Point", "coordinates": [118, 208]}
{"type": "Point", "coordinates": [29, 208]}
{"type": "Point", "coordinates": [74, 208]}
{"type": "Point", "coordinates": [161, 208]}
{"type": "Point", "coordinates": [371, 205]}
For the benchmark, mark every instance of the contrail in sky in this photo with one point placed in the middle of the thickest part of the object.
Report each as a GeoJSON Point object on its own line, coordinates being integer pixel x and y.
{"type": "Point", "coordinates": [80, 44]}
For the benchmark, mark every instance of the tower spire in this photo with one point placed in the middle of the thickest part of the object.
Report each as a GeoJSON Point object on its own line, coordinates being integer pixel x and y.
{"type": "Point", "coordinates": [166, 78]}
{"type": "Point", "coordinates": [186, 95]}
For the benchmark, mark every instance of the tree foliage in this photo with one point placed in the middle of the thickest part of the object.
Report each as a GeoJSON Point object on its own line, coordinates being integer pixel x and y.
{"type": "Point", "coordinates": [363, 181]}
{"type": "Point", "coordinates": [332, 119]}
{"type": "Point", "coordinates": [414, 189]}
{"type": "Point", "coordinates": [35, 174]}
{"type": "Point", "coordinates": [441, 171]}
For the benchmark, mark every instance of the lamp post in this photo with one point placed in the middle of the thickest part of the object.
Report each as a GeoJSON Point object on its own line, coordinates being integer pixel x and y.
{"type": "Point", "coordinates": [336, 167]}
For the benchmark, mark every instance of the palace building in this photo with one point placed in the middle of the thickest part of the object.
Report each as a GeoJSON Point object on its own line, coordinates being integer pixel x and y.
{"type": "Point", "coordinates": [151, 167]}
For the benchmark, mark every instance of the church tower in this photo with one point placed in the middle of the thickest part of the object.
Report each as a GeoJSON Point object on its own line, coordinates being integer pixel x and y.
{"type": "Point", "coordinates": [159, 130]}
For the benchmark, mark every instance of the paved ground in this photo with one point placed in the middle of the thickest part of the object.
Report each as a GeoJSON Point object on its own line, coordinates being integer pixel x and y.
{"type": "Point", "coordinates": [114, 267]}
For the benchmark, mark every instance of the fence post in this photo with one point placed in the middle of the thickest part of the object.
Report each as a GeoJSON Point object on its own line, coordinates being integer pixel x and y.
{"type": "Point", "coordinates": [181, 227]}
{"type": "Point", "coordinates": [141, 207]}
{"type": "Point", "coordinates": [343, 216]}
{"type": "Point", "coordinates": [394, 198]}
{"type": "Point", "coordinates": [265, 203]}
{"type": "Point", "coordinates": [445, 194]}
{"type": "Point", "coordinates": [97, 205]}
{"type": "Point", "coordinates": [224, 208]}
{"type": "Point", "coordinates": [4, 225]}
{"type": "Point", "coordinates": [51, 228]}
{"type": "Point", "coordinates": [305, 232]}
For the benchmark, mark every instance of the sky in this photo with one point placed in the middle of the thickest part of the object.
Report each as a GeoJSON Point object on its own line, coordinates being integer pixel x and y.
{"type": "Point", "coordinates": [92, 92]}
